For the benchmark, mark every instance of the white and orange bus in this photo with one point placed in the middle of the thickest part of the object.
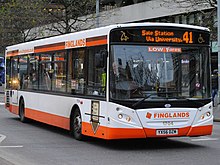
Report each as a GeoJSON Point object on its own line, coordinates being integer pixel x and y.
{"type": "Point", "coordinates": [138, 80]}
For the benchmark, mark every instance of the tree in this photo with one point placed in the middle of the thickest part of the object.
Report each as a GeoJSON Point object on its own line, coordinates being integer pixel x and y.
{"type": "Point", "coordinates": [189, 4]}
{"type": "Point", "coordinates": [17, 18]}
{"type": "Point", "coordinates": [68, 15]}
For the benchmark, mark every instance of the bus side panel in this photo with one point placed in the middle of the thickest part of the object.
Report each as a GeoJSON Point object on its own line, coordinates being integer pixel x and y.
{"type": "Point", "coordinates": [50, 109]}
{"type": "Point", "coordinates": [51, 119]}
{"type": "Point", "coordinates": [56, 110]}
{"type": "Point", "coordinates": [109, 126]}
{"type": "Point", "coordinates": [13, 109]}
{"type": "Point", "coordinates": [94, 114]}
{"type": "Point", "coordinates": [99, 118]}
{"type": "Point", "coordinates": [10, 103]}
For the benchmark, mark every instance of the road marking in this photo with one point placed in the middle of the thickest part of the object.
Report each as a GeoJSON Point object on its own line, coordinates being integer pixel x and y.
{"type": "Point", "coordinates": [2, 137]}
{"type": "Point", "coordinates": [11, 146]}
{"type": "Point", "coordinates": [205, 139]}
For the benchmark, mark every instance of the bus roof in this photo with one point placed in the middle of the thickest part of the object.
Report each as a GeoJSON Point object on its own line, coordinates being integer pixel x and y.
{"type": "Point", "coordinates": [92, 33]}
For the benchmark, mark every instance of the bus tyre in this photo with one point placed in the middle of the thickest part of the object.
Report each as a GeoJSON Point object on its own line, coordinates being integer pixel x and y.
{"type": "Point", "coordinates": [76, 125]}
{"type": "Point", "coordinates": [23, 119]}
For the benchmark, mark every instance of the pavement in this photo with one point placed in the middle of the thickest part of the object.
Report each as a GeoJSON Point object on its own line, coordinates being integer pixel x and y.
{"type": "Point", "coordinates": [2, 89]}
{"type": "Point", "coordinates": [216, 113]}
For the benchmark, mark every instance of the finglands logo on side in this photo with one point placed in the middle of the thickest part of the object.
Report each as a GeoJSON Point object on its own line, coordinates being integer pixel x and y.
{"type": "Point", "coordinates": [171, 115]}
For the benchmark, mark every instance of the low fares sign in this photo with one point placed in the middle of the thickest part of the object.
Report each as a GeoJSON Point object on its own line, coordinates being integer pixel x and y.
{"type": "Point", "coordinates": [164, 49]}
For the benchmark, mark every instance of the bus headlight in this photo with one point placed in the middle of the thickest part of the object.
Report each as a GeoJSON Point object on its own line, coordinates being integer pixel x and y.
{"type": "Point", "coordinates": [208, 114]}
{"type": "Point", "coordinates": [205, 115]}
{"type": "Point", "coordinates": [124, 117]}
{"type": "Point", "coordinates": [120, 116]}
{"type": "Point", "coordinates": [202, 117]}
{"type": "Point", "coordinates": [128, 118]}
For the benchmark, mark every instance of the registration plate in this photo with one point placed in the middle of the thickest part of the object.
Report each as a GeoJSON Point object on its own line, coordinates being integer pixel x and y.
{"type": "Point", "coordinates": [167, 132]}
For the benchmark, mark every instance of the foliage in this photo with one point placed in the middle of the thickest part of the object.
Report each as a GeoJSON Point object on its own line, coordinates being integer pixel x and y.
{"type": "Point", "coordinates": [190, 4]}
{"type": "Point", "coordinates": [17, 17]}
{"type": "Point", "coordinates": [67, 15]}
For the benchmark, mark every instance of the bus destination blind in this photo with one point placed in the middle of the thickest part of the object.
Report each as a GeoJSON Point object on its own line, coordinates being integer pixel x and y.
{"type": "Point", "coordinates": [161, 35]}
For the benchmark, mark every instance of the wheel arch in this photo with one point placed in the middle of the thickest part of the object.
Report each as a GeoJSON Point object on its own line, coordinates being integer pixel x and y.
{"type": "Point", "coordinates": [19, 103]}
{"type": "Point", "coordinates": [21, 98]}
{"type": "Point", "coordinates": [21, 110]}
{"type": "Point", "coordinates": [74, 107]}
{"type": "Point", "coordinates": [78, 136]}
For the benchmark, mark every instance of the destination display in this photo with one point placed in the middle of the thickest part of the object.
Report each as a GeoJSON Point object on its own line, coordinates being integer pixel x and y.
{"type": "Point", "coordinates": [160, 35]}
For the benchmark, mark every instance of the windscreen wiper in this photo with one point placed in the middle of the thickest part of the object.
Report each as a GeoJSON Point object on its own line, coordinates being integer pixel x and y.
{"type": "Point", "coordinates": [142, 100]}
{"type": "Point", "coordinates": [158, 93]}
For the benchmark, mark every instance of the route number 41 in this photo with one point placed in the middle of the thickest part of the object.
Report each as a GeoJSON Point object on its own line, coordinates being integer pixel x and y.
{"type": "Point", "coordinates": [188, 37]}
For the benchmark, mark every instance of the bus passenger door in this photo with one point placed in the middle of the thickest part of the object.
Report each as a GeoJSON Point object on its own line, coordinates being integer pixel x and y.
{"type": "Point", "coordinates": [14, 80]}
{"type": "Point", "coordinates": [12, 84]}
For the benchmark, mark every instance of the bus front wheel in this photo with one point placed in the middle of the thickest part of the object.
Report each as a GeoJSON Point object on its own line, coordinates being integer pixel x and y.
{"type": "Point", "coordinates": [23, 119]}
{"type": "Point", "coordinates": [76, 125]}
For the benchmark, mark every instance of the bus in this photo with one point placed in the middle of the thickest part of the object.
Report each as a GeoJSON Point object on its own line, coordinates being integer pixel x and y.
{"type": "Point", "coordinates": [2, 70]}
{"type": "Point", "coordinates": [135, 80]}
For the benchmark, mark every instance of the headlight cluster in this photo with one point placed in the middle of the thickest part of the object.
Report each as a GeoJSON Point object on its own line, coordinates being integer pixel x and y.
{"type": "Point", "coordinates": [205, 115]}
{"type": "Point", "coordinates": [124, 117]}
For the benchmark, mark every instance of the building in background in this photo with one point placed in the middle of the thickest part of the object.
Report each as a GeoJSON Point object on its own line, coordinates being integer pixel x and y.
{"type": "Point", "coordinates": [127, 11]}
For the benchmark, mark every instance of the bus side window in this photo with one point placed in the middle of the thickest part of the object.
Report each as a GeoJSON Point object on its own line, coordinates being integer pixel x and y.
{"type": "Point", "coordinates": [33, 72]}
{"type": "Point", "coordinates": [59, 71]}
{"type": "Point", "coordinates": [76, 74]}
{"type": "Point", "coordinates": [45, 71]}
{"type": "Point", "coordinates": [97, 71]}
{"type": "Point", "coordinates": [23, 71]}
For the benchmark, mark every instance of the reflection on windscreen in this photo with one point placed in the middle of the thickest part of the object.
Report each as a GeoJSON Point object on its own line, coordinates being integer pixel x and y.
{"type": "Point", "coordinates": [161, 72]}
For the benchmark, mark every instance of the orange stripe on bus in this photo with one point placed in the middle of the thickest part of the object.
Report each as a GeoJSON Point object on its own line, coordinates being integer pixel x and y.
{"type": "Point", "coordinates": [128, 133]}
{"type": "Point", "coordinates": [13, 109]}
{"type": "Point", "coordinates": [125, 133]}
{"type": "Point", "coordinates": [201, 130]}
{"type": "Point", "coordinates": [50, 47]}
{"type": "Point", "coordinates": [102, 40]}
{"type": "Point", "coordinates": [43, 117]}
{"type": "Point", "coordinates": [48, 118]}
{"type": "Point", "coordinates": [12, 53]}
{"type": "Point", "coordinates": [112, 133]}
